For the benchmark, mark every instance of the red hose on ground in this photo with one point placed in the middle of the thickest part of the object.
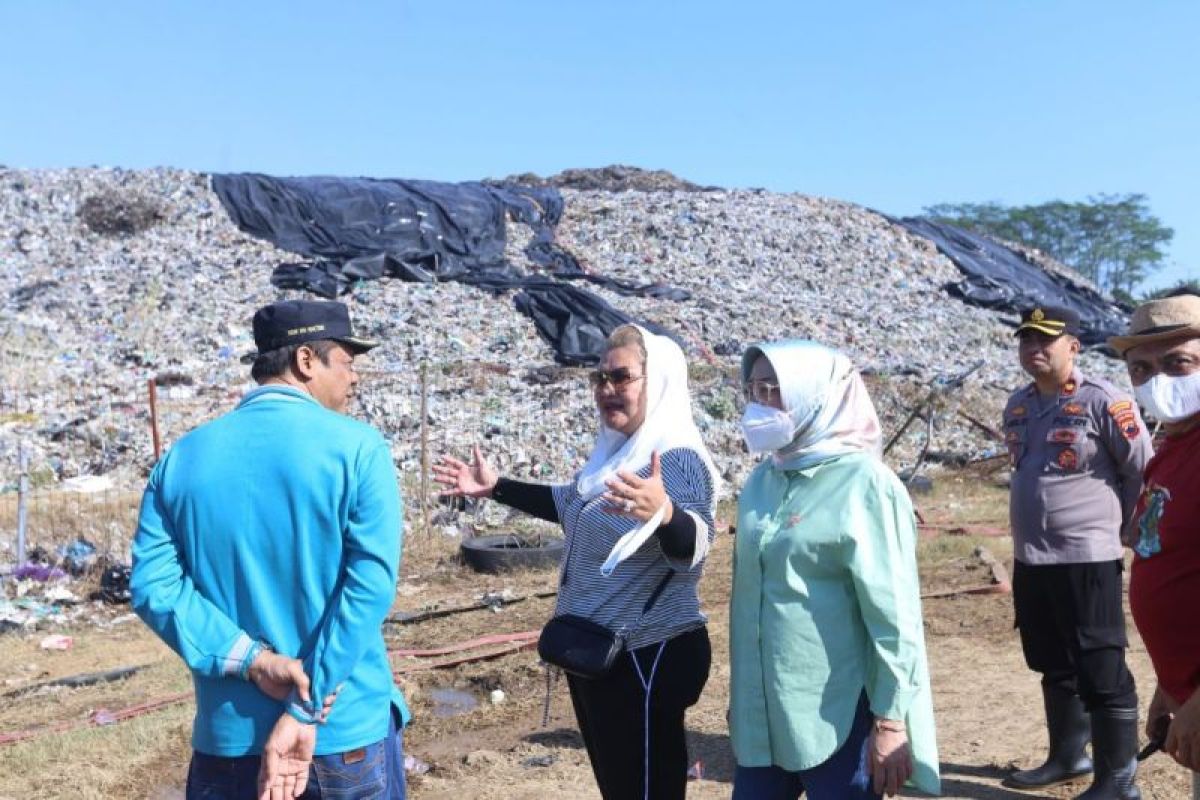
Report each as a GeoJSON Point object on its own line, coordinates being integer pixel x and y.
{"type": "Point", "coordinates": [496, 638]}
{"type": "Point", "coordinates": [516, 647]}
{"type": "Point", "coordinates": [98, 718]}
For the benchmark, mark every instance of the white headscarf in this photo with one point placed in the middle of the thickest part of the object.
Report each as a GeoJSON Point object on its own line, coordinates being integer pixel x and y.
{"type": "Point", "coordinates": [668, 423]}
{"type": "Point", "coordinates": [825, 398]}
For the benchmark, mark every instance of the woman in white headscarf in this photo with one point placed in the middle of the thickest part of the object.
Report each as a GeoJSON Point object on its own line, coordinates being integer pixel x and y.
{"type": "Point", "coordinates": [829, 686]}
{"type": "Point", "coordinates": [638, 520]}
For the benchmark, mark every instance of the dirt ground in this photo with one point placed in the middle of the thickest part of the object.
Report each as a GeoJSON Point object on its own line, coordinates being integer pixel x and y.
{"type": "Point", "coordinates": [987, 703]}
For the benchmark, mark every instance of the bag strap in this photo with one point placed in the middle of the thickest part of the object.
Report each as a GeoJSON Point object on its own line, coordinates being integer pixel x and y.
{"type": "Point", "coordinates": [657, 591]}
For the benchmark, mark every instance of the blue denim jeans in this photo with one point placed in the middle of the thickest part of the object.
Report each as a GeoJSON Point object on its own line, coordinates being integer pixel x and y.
{"type": "Point", "coordinates": [843, 776]}
{"type": "Point", "coordinates": [377, 775]}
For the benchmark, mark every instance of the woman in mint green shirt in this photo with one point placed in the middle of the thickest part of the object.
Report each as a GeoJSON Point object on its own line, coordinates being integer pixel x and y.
{"type": "Point", "coordinates": [829, 683]}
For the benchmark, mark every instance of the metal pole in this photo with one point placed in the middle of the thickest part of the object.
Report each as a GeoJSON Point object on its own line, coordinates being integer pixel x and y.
{"type": "Point", "coordinates": [154, 419]}
{"type": "Point", "coordinates": [425, 447]}
{"type": "Point", "coordinates": [22, 501]}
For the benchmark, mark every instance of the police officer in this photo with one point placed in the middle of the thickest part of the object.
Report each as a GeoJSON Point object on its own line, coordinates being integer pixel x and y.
{"type": "Point", "coordinates": [1077, 447]}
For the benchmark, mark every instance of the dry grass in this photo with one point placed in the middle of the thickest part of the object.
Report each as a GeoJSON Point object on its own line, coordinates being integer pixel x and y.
{"type": "Point", "coordinates": [141, 758]}
{"type": "Point", "coordinates": [55, 518]}
{"type": "Point", "coordinates": [116, 761]}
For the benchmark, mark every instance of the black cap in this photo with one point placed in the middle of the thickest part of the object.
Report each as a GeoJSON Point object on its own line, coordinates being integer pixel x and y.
{"type": "Point", "coordinates": [298, 321]}
{"type": "Point", "coordinates": [1050, 320]}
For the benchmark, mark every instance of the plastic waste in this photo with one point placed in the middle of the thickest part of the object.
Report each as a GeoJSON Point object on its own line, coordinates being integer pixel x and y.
{"type": "Point", "coordinates": [114, 584]}
{"type": "Point", "coordinates": [78, 557]}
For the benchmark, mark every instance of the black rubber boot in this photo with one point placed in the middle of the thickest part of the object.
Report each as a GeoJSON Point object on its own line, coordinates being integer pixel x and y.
{"type": "Point", "coordinates": [1069, 728]}
{"type": "Point", "coordinates": [1114, 749]}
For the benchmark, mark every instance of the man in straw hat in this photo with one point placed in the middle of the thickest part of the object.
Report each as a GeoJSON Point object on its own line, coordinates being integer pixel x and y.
{"type": "Point", "coordinates": [1077, 447]}
{"type": "Point", "coordinates": [1162, 353]}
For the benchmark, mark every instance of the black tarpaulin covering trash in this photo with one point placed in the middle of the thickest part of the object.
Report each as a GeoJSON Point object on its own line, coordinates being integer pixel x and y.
{"type": "Point", "coordinates": [1000, 278]}
{"type": "Point", "coordinates": [577, 321]}
{"type": "Point", "coordinates": [360, 229]}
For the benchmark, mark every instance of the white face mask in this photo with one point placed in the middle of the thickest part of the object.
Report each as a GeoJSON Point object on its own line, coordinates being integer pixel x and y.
{"type": "Point", "coordinates": [766, 429]}
{"type": "Point", "coordinates": [1170, 399]}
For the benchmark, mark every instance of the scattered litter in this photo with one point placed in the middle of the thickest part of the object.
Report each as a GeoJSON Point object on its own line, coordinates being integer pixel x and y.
{"type": "Point", "coordinates": [114, 584]}
{"type": "Point", "coordinates": [88, 484]}
{"type": "Point", "coordinates": [451, 702]}
{"type": "Point", "coordinates": [496, 600]}
{"type": "Point", "coordinates": [38, 572]}
{"type": "Point", "coordinates": [78, 557]}
{"type": "Point", "coordinates": [477, 758]}
{"type": "Point", "coordinates": [56, 641]}
{"type": "Point", "coordinates": [999, 575]}
{"type": "Point", "coordinates": [27, 612]}
{"type": "Point", "coordinates": [414, 765]}
{"type": "Point", "coordinates": [103, 716]}
{"type": "Point", "coordinates": [60, 594]}
{"type": "Point", "coordinates": [497, 697]}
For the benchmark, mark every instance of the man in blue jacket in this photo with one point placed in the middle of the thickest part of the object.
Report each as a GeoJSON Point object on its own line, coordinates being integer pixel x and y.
{"type": "Point", "coordinates": [266, 556]}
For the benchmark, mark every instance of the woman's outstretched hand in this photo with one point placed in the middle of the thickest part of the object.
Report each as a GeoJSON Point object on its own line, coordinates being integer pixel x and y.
{"type": "Point", "coordinates": [461, 479]}
{"type": "Point", "coordinates": [639, 498]}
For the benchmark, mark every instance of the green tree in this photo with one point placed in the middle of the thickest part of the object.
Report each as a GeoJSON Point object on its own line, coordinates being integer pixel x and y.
{"type": "Point", "coordinates": [1183, 287]}
{"type": "Point", "coordinates": [1113, 240]}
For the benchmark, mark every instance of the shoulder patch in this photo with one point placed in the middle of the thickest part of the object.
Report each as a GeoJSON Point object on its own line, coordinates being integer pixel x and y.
{"type": "Point", "coordinates": [1124, 414]}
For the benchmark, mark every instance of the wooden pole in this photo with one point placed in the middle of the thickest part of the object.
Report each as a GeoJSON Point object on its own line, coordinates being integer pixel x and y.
{"type": "Point", "coordinates": [22, 501]}
{"type": "Point", "coordinates": [425, 447]}
{"type": "Point", "coordinates": [153, 385]}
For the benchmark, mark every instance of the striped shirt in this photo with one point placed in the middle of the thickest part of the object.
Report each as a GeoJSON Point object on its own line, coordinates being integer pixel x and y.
{"type": "Point", "coordinates": [616, 602]}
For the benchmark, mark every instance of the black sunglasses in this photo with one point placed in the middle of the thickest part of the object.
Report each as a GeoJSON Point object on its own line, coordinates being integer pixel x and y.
{"type": "Point", "coordinates": [618, 378]}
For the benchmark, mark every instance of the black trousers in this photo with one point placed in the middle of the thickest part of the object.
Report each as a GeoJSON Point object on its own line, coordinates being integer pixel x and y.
{"type": "Point", "coordinates": [1072, 626]}
{"type": "Point", "coordinates": [611, 712]}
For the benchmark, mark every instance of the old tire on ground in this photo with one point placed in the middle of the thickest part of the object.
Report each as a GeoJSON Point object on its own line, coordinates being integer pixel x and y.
{"type": "Point", "coordinates": [510, 551]}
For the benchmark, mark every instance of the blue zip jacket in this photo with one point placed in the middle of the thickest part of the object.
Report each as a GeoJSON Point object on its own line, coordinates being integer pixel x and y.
{"type": "Point", "coordinates": [279, 522]}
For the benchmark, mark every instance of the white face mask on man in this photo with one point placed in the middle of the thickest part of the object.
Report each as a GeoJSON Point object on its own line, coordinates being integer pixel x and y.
{"type": "Point", "coordinates": [766, 429]}
{"type": "Point", "coordinates": [1168, 398]}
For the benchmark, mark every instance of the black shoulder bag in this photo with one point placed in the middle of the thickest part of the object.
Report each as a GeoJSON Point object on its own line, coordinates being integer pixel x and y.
{"type": "Point", "coordinates": [584, 648]}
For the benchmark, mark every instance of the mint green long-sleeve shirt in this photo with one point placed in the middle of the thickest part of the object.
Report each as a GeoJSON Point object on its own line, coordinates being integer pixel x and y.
{"type": "Point", "coordinates": [826, 605]}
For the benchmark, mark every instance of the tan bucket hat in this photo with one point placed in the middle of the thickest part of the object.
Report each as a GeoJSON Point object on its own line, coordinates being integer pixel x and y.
{"type": "Point", "coordinates": [1168, 318]}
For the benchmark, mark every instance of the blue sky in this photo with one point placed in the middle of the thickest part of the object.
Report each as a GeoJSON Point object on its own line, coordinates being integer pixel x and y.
{"type": "Point", "coordinates": [888, 104]}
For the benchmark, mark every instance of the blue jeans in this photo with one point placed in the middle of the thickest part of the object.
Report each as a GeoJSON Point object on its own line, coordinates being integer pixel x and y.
{"type": "Point", "coordinates": [377, 775]}
{"type": "Point", "coordinates": [843, 776]}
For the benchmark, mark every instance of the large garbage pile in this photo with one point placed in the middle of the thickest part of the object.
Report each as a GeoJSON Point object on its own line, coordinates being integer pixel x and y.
{"type": "Point", "coordinates": [109, 278]}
